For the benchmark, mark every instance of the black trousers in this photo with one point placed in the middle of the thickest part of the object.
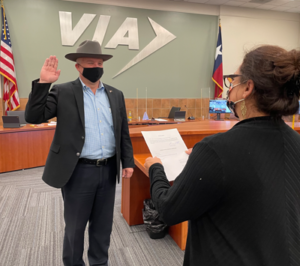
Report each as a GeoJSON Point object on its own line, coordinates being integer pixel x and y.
{"type": "Point", "coordinates": [89, 197]}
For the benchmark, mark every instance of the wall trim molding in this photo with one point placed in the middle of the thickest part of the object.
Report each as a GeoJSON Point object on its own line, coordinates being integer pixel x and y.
{"type": "Point", "coordinates": [182, 7]}
{"type": "Point", "coordinates": [196, 8]}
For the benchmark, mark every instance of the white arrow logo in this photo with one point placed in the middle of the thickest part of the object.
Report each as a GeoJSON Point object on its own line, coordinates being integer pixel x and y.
{"type": "Point", "coordinates": [162, 38]}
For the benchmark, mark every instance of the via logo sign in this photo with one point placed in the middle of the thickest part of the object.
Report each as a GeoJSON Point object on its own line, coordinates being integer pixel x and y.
{"type": "Point", "coordinates": [127, 34]}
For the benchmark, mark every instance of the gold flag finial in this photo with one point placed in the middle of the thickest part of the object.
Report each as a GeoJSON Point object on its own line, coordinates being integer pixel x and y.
{"type": "Point", "coordinates": [4, 23]}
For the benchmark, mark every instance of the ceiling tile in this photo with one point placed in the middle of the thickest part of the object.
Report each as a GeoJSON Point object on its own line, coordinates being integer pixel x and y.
{"type": "Point", "coordinates": [292, 4]}
{"type": "Point", "coordinates": [279, 2]}
{"type": "Point", "coordinates": [198, 1]}
{"type": "Point", "coordinates": [280, 8]}
{"type": "Point", "coordinates": [217, 2]}
{"type": "Point", "coordinates": [293, 10]}
{"type": "Point", "coordinates": [234, 3]}
{"type": "Point", "coordinates": [252, 5]}
{"type": "Point", "coordinates": [266, 6]}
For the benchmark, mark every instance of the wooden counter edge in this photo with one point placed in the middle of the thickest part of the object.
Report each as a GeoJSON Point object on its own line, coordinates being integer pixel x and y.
{"type": "Point", "coordinates": [26, 128]}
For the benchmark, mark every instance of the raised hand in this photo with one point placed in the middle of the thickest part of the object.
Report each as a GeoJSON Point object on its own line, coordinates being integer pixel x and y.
{"type": "Point", "coordinates": [49, 72]}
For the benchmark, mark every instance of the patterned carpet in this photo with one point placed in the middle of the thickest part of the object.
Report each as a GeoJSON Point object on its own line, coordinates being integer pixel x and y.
{"type": "Point", "coordinates": [31, 228]}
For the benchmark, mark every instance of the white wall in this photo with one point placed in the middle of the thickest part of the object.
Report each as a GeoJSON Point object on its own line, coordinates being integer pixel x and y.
{"type": "Point", "coordinates": [244, 29]}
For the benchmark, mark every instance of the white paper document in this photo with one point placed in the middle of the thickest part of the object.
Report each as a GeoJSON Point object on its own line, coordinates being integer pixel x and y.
{"type": "Point", "coordinates": [159, 119]}
{"type": "Point", "coordinates": [52, 123]}
{"type": "Point", "coordinates": [170, 148]}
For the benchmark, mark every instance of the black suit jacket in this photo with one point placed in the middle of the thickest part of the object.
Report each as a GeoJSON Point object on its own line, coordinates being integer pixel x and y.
{"type": "Point", "coordinates": [65, 101]}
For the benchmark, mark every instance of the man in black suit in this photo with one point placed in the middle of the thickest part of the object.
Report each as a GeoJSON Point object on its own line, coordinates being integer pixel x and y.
{"type": "Point", "coordinates": [90, 140]}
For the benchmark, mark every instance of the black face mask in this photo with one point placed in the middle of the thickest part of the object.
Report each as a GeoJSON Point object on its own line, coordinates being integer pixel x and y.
{"type": "Point", "coordinates": [92, 74]}
{"type": "Point", "coordinates": [231, 105]}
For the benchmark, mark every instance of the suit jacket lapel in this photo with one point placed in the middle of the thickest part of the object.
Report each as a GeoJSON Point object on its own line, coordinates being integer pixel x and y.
{"type": "Point", "coordinates": [112, 102]}
{"type": "Point", "coordinates": [78, 91]}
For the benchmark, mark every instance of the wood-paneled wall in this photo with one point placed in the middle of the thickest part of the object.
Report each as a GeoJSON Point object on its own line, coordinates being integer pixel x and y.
{"type": "Point", "coordinates": [156, 107]}
{"type": "Point", "coordinates": [161, 107]}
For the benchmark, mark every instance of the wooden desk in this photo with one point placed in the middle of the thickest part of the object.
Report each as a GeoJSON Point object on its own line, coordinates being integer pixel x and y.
{"type": "Point", "coordinates": [137, 188]}
{"type": "Point", "coordinates": [25, 147]}
{"type": "Point", "coordinates": [142, 123]}
{"type": "Point", "coordinates": [179, 231]}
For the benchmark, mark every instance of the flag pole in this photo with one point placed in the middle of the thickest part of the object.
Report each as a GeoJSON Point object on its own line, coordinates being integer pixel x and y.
{"type": "Point", "coordinates": [218, 29]}
{"type": "Point", "coordinates": [2, 85]}
{"type": "Point", "coordinates": [9, 106]}
{"type": "Point", "coordinates": [137, 103]}
{"type": "Point", "coordinates": [146, 99]}
{"type": "Point", "coordinates": [2, 79]}
{"type": "Point", "coordinates": [222, 60]}
{"type": "Point", "coordinates": [2, 95]}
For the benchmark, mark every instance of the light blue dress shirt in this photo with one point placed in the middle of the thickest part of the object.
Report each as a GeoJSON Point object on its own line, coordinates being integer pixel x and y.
{"type": "Point", "coordinates": [99, 129]}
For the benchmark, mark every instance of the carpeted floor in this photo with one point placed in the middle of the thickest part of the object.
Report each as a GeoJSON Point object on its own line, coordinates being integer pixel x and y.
{"type": "Point", "coordinates": [31, 228]}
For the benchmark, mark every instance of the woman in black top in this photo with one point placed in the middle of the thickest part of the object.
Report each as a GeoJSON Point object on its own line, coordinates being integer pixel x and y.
{"type": "Point", "coordinates": [240, 190]}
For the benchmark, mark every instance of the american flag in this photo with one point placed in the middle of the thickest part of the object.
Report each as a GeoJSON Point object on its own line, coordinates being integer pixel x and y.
{"type": "Point", "coordinates": [7, 68]}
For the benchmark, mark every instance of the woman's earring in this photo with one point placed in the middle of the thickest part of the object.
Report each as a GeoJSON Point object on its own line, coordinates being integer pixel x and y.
{"type": "Point", "coordinates": [243, 109]}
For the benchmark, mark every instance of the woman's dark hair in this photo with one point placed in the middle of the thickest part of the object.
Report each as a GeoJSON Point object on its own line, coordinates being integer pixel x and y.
{"type": "Point", "coordinates": [276, 76]}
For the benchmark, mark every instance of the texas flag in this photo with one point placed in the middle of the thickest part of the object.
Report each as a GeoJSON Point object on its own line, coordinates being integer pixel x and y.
{"type": "Point", "coordinates": [217, 76]}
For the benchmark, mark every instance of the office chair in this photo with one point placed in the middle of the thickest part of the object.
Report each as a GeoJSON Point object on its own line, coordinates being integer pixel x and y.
{"type": "Point", "coordinates": [172, 112]}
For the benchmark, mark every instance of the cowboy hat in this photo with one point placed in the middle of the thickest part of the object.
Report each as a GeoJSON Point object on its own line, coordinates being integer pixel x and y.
{"type": "Point", "coordinates": [90, 49]}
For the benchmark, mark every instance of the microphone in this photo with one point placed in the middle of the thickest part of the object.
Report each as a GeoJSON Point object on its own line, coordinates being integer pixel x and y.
{"type": "Point", "coordinates": [191, 117]}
